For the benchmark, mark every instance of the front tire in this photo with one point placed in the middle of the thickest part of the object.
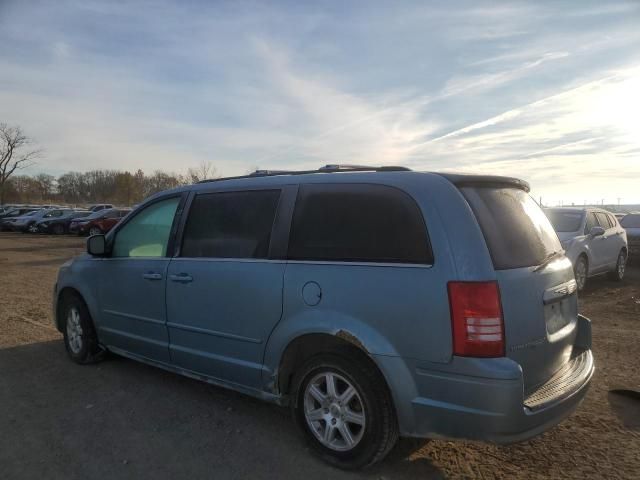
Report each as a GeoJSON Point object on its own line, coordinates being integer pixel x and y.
{"type": "Point", "coordinates": [80, 339]}
{"type": "Point", "coordinates": [344, 410]}
{"type": "Point", "coordinates": [32, 228]}
{"type": "Point", "coordinates": [581, 272]}
{"type": "Point", "coordinates": [618, 274]}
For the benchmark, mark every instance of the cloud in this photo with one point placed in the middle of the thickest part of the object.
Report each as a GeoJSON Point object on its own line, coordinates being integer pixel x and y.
{"type": "Point", "coordinates": [526, 89]}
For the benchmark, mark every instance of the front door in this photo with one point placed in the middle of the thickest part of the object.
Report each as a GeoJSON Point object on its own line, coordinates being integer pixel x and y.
{"type": "Point", "coordinates": [601, 245]}
{"type": "Point", "coordinates": [224, 293]}
{"type": "Point", "coordinates": [133, 282]}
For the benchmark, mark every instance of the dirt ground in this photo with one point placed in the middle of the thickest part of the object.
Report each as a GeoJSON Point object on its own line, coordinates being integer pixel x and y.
{"type": "Point", "coordinates": [121, 419]}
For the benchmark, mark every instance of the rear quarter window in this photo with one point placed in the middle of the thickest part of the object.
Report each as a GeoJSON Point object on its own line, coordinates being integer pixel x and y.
{"type": "Point", "coordinates": [516, 230]}
{"type": "Point", "coordinates": [358, 223]}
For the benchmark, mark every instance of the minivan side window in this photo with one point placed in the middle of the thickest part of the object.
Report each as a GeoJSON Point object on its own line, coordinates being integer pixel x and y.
{"type": "Point", "coordinates": [358, 223]}
{"type": "Point", "coordinates": [147, 234]}
{"type": "Point", "coordinates": [230, 224]}
{"type": "Point", "coordinates": [591, 222]}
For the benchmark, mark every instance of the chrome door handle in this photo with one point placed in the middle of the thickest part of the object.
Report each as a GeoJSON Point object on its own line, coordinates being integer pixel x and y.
{"type": "Point", "coordinates": [182, 278]}
{"type": "Point", "coordinates": [152, 276]}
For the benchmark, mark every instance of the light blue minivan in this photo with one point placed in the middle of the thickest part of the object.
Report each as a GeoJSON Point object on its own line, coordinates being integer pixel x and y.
{"type": "Point", "coordinates": [375, 302]}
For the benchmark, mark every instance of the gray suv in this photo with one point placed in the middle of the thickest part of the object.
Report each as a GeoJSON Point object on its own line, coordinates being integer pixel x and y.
{"type": "Point", "coordinates": [374, 302]}
{"type": "Point", "coordinates": [593, 240]}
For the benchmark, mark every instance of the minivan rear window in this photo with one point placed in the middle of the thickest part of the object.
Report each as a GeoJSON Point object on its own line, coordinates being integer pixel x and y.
{"type": "Point", "coordinates": [517, 232]}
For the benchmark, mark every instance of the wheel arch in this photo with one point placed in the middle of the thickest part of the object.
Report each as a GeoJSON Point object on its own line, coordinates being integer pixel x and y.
{"type": "Point", "coordinates": [308, 345]}
{"type": "Point", "coordinates": [63, 294]}
{"type": "Point", "coordinates": [586, 254]}
{"type": "Point", "coordinates": [393, 370]}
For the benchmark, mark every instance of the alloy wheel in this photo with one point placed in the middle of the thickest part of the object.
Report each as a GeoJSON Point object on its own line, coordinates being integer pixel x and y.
{"type": "Point", "coordinates": [74, 330]}
{"type": "Point", "coordinates": [622, 262]}
{"type": "Point", "coordinates": [334, 411]}
{"type": "Point", "coordinates": [581, 273]}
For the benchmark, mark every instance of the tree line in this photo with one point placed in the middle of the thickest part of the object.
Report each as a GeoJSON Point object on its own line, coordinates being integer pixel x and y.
{"type": "Point", "coordinates": [95, 186]}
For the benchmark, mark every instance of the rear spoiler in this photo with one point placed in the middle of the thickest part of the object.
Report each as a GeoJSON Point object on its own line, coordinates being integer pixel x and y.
{"type": "Point", "coordinates": [496, 181]}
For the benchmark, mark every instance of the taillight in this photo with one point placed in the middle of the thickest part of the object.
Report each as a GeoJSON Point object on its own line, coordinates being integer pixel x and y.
{"type": "Point", "coordinates": [476, 319]}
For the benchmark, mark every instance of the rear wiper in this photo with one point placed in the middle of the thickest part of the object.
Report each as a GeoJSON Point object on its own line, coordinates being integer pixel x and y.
{"type": "Point", "coordinates": [548, 259]}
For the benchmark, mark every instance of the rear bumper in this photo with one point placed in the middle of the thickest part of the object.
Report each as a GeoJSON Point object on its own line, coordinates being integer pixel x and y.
{"type": "Point", "coordinates": [484, 399]}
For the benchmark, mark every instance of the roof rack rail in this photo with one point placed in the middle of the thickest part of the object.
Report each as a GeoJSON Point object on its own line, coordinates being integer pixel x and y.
{"type": "Point", "coordinates": [331, 168]}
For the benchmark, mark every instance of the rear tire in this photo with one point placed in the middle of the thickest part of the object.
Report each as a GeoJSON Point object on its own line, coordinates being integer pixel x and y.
{"type": "Point", "coordinates": [80, 339]}
{"type": "Point", "coordinates": [581, 272]}
{"type": "Point", "coordinates": [352, 424]}
{"type": "Point", "coordinates": [618, 274]}
{"type": "Point", "coordinates": [32, 228]}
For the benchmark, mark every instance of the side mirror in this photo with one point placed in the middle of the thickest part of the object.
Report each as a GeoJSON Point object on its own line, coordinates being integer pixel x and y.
{"type": "Point", "coordinates": [96, 245]}
{"type": "Point", "coordinates": [596, 231]}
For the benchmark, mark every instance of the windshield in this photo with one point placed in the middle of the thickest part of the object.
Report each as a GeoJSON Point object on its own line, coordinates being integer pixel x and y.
{"type": "Point", "coordinates": [631, 221]}
{"type": "Point", "coordinates": [565, 221]}
{"type": "Point", "coordinates": [515, 228]}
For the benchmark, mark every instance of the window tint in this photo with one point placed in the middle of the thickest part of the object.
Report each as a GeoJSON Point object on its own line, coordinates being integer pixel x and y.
{"type": "Point", "coordinates": [365, 223]}
{"type": "Point", "coordinates": [591, 222]}
{"type": "Point", "coordinates": [230, 224]}
{"type": "Point", "coordinates": [147, 234]}
{"type": "Point", "coordinates": [603, 220]}
{"type": "Point", "coordinates": [516, 230]}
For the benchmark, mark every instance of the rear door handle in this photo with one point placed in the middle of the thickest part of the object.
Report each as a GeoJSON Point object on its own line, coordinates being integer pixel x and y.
{"type": "Point", "coordinates": [152, 276]}
{"type": "Point", "coordinates": [182, 278]}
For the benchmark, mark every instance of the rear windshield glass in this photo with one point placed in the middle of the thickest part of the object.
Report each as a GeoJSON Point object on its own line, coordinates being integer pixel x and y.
{"type": "Point", "coordinates": [631, 221]}
{"type": "Point", "coordinates": [516, 230]}
{"type": "Point", "coordinates": [565, 221]}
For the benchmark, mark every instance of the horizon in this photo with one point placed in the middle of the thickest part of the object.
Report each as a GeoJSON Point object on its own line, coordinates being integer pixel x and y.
{"type": "Point", "coordinates": [548, 92]}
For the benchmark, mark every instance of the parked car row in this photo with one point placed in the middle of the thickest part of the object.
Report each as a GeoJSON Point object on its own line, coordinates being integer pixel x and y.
{"type": "Point", "coordinates": [98, 222]}
{"type": "Point", "coordinates": [61, 220]}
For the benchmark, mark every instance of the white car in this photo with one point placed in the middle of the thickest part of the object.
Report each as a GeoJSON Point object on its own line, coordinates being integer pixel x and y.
{"type": "Point", "coordinates": [593, 240]}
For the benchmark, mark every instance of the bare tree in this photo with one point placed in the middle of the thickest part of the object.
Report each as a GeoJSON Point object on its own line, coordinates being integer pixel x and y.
{"type": "Point", "coordinates": [13, 156]}
{"type": "Point", "coordinates": [203, 171]}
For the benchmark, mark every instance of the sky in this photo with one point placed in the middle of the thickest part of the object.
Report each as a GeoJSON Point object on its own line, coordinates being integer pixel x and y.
{"type": "Point", "coordinates": [545, 91]}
